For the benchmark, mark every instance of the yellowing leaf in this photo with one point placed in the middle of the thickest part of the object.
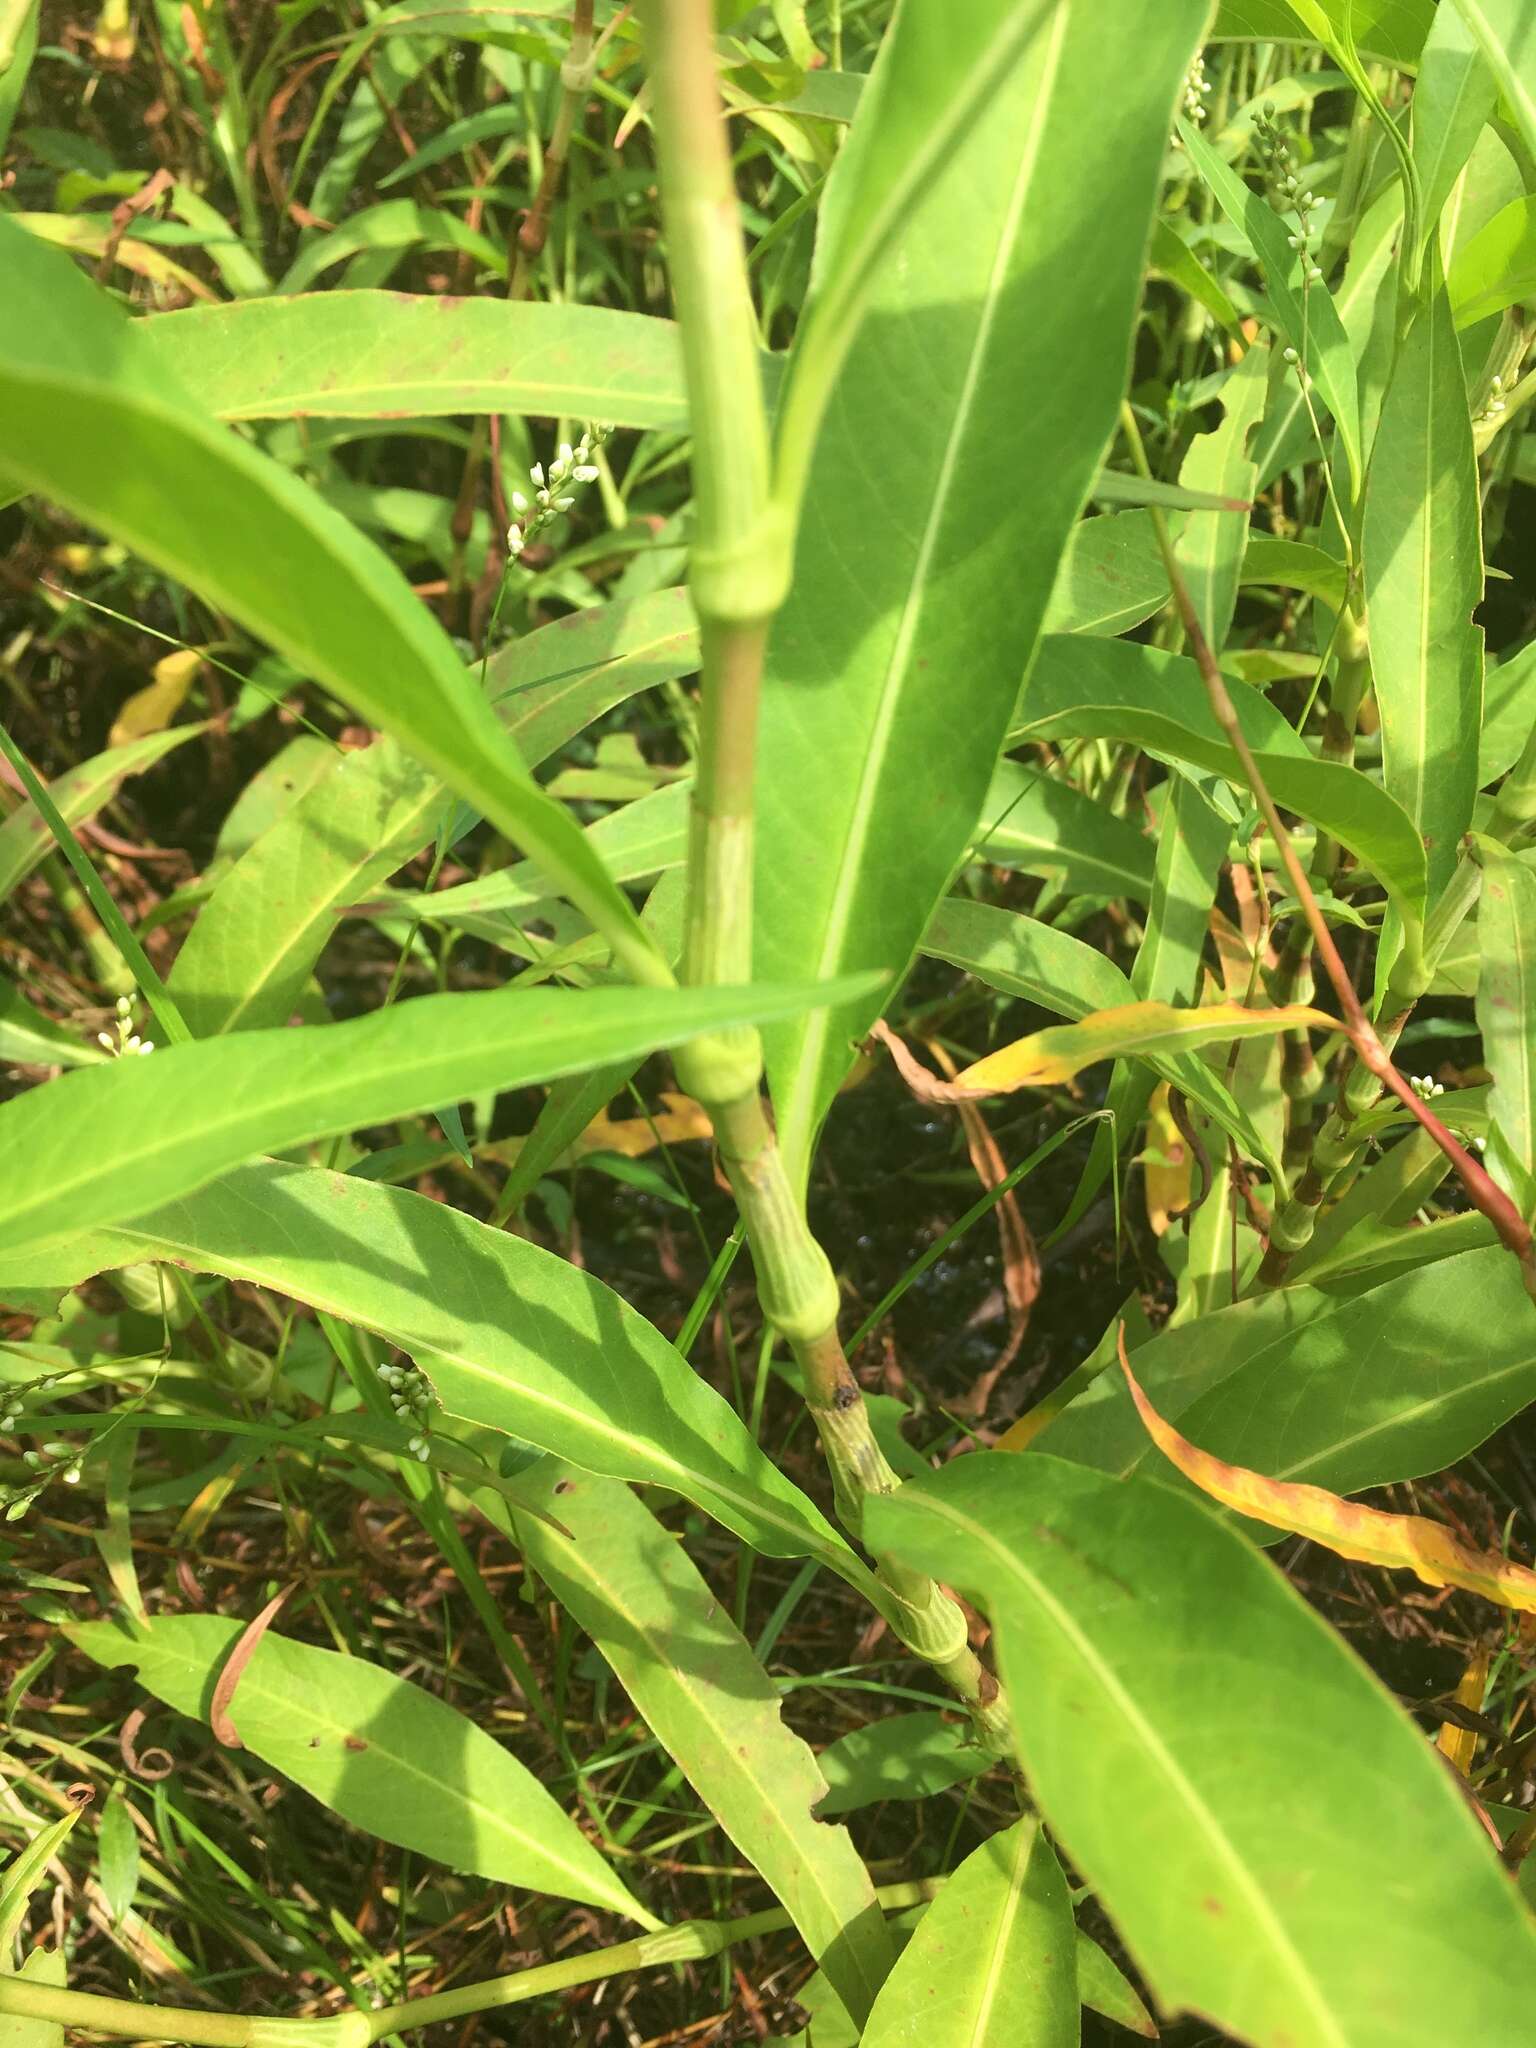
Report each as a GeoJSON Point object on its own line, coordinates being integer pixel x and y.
{"type": "Point", "coordinates": [1455, 1742]}
{"type": "Point", "coordinates": [680, 1121]}
{"type": "Point", "coordinates": [1167, 1168]}
{"type": "Point", "coordinates": [1402, 1542]}
{"type": "Point", "coordinates": [1057, 1054]}
{"type": "Point", "coordinates": [152, 708]}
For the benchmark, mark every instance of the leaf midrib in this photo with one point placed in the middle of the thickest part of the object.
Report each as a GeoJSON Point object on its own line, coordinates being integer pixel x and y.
{"type": "Point", "coordinates": [1262, 1913]}
{"type": "Point", "coordinates": [799, 1099]}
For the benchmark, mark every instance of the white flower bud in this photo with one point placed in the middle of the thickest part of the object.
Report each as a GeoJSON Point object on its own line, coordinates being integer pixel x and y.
{"type": "Point", "coordinates": [585, 473]}
{"type": "Point", "coordinates": [537, 473]}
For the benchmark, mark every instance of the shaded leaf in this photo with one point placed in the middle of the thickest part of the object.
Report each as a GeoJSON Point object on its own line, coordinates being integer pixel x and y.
{"type": "Point", "coordinates": [903, 1756]}
{"type": "Point", "coordinates": [78, 794]}
{"type": "Point", "coordinates": [1506, 1016]}
{"type": "Point", "coordinates": [1497, 267]}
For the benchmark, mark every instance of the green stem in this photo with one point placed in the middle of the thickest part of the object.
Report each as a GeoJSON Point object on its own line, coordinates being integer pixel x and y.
{"type": "Point", "coordinates": [693, 1941]}
{"type": "Point", "coordinates": [739, 575]}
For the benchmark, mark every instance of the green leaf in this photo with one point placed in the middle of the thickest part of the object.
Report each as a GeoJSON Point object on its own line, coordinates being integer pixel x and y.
{"type": "Point", "coordinates": [904, 1756]}
{"type": "Point", "coordinates": [1506, 1016]}
{"type": "Point", "coordinates": [1509, 713]}
{"type": "Point", "coordinates": [259, 935]}
{"type": "Point", "coordinates": [1112, 689]}
{"type": "Point", "coordinates": [646, 837]}
{"type": "Point", "coordinates": [212, 511]}
{"type": "Point", "coordinates": [1295, 565]}
{"type": "Point", "coordinates": [1422, 547]}
{"type": "Point", "coordinates": [1172, 256]}
{"type": "Point", "coordinates": [376, 355]}
{"type": "Point", "coordinates": [709, 1702]}
{"type": "Point", "coordinates": [510, 1337]}
{"type": "Point", "coordinates": [18, 46]}
{"type": "Point", "coordinates": [1386, 1386]}
{"type": "Point", "coordinates": [1506, 29]}
{"type": "Point", "coordinates": [41, 1965]}
{"type": "Point", "coordinates": [1212, 546]}
{"type": "Point", "coordinates": [1044, 826]}
{"type": "Point", "coordinates": [992, 1963]}
{"type": "Point", "coordinates": [1139, 1639]}
{"type": "Point", "coordinates": [79, 794]}
{"type": "Point", "coordinates": [31, 1039]}
{"type": "Point", "coordinates": [25, 1872]}
{"type": "Point", "coordinates": [926, 95]}
{"type": "Point", "coordinates": [1393, 30]}
{"type": "Point", "coordinates": [373, 1748]}
{"type": "Point", "coordinates": [1111, 576]}
{"type": "Point", "coordinates": [883, 706]}
{"type": "Point", "coordinates": [105, 1143]}
{"type": "Point", "coordinates": [1497, 267]}
{"type": "Point", "coordinates": [1452, 97]}
{"type": "Point", "coordinates": [117, 1851]}
{"type": "Point", "coordinates": [1307, 315]}
{"type": "Point", "coordinates": [1024, 957]}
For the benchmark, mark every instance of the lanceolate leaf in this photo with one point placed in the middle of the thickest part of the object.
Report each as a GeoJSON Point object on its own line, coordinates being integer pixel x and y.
{"type": "Point", "coordinates": [510, 1337]}
{"type": "Point", "coordinates": [1506, 1016]}
{"type": "Point", "coordinates": [375, 1749]}
{"type": "Point", "coordinates": [105, 1143]}
{"type": "Point", "coordinates": [1387, 1385]}
{"type": "Point", "coordinates": [1452, 98]}
{"type": "Point", "coordinates": [1406, 1542]}
{"type": "Point", "coordinates": [1086, 688]}
{"type": "Point", "coordinates": [992, 1963]}
{"type": "Point", "coordinates": [1043, 825]}
{"type": "Point", "coordinates": [370, 355]}
{"type": "Point", "coordinates": [1211, 547]}
{"type": "Point", "coordinates": [209, 509]}
{"type": "Point", "coordinates": [1307, 315]}
{"type": "Point", "coordinates": [1497, 267]}
{"type": "Point", "coordinates": [1390, 29]}
{"type": "Point", "coordinates": [1049, 1057]}
{"type": "Point", "coordinates": [1162, 1776]}
{"type": "Point", "coordinates": [1422, 546]}
{"type": "Point", "coordinates": [263, 928]}
{"type": "Point", "coordinates": [78, 794]}
{"type": "Point", "coordinates": [884, 709]}
{"type": "Point", "coordinates": [1506, 29]}
{"type": "Point", "coordinates": [707, 1699]}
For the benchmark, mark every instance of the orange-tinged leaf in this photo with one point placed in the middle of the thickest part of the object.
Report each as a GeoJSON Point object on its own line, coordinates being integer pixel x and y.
{"type": "Point", "coordinates": [1402, 1542]}
{"type": "Point", "coordinates": [1055, 1055]}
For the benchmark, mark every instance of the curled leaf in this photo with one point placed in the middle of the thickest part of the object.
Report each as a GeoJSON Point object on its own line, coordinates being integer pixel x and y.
{"type": "Point", "coordinates": [1055, 1055]}
{"type": "Point", "coordinates": [1401, 1542]}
